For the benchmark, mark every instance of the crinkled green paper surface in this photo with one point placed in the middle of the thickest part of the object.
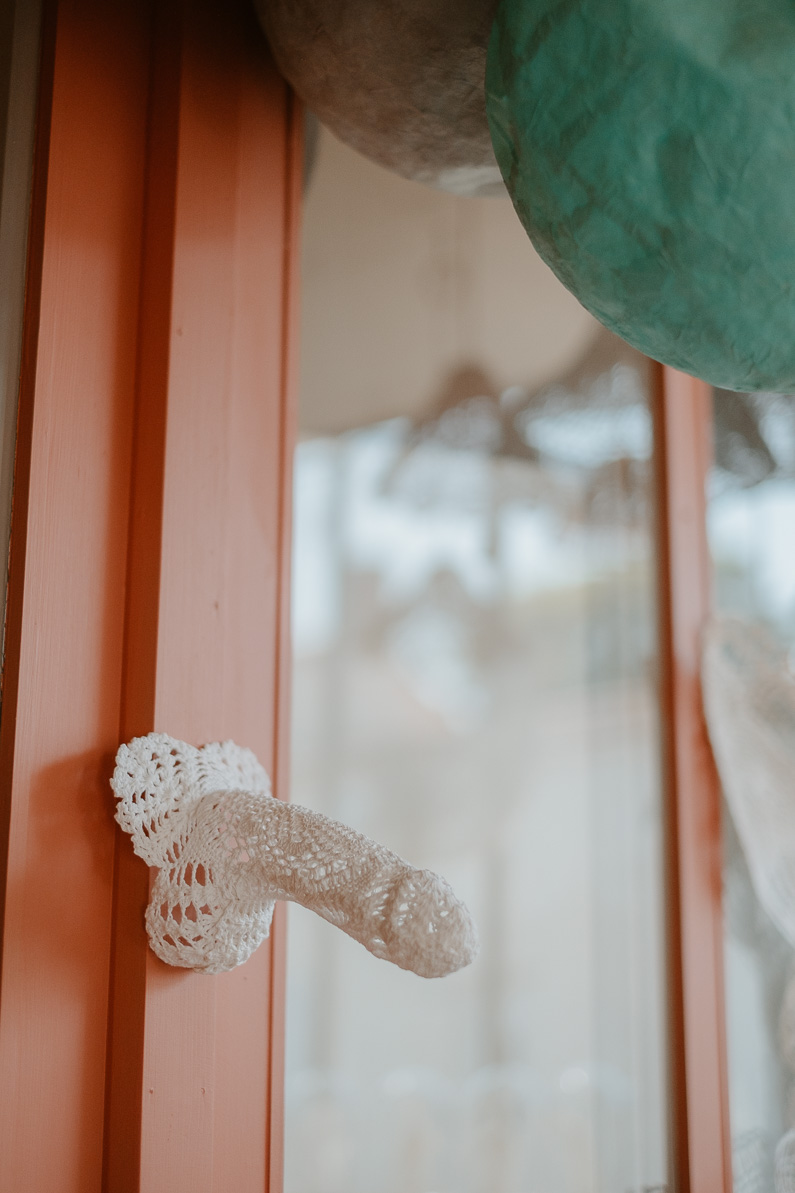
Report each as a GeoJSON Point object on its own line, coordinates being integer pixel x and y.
{"type": "Point", "coordinates": [649, 148]}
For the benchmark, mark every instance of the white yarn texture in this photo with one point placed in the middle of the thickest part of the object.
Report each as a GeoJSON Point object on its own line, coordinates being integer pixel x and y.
{"type": "Point", "coordinates": [226, 850]}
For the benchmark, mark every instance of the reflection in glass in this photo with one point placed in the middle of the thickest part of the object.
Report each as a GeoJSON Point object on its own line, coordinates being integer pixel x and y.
{"type": "Point", "coordinates": [475, 686]}
{"type": "Point", "coordinates": [751, 516]}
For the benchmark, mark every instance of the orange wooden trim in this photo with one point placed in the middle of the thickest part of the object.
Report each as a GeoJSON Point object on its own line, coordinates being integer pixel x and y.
{"type": "Point", "coordinates": [700, 1135]}
{"type": "Point", "coordinates": [66, 592]}
{"type": "Point", "coordinates": [194, 1080]}
{"type": "Point", "coordinates": [9, 680]}
{"type": "Point", "coordinates": [159, 311]}
{"type": "Point", "coordinates": [127, 992]}
{"type": "Point", "coordinates": [294, 173]}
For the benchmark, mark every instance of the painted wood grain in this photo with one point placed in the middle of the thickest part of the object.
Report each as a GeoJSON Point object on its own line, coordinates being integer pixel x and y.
{"type": "Point", "coordinates": [63, 675]}
{"type": "Point", "coordinates": [701, 1152]}
{"type": "Point", "coordinates": [149, 584]}
{"type": "Point", "coordinates": [192, 1096]}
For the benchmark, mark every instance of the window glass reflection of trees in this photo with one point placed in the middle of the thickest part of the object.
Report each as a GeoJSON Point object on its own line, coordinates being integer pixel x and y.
{"type": "Point", "coordinates": [751, 521]}
{"type": "Point", "coordinates": [475, 686]}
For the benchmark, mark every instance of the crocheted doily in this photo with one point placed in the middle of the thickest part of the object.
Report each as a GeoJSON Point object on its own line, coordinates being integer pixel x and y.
{"type": "Point", "coordinates": [226, 850]}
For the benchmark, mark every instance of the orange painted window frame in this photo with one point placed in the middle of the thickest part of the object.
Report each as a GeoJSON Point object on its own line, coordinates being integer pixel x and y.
{"type": "Point", "coordinates": [700, 1136]}
{"type": "Point", "coordinates": [149, 583]}
{"type": "Point", "coordinates": [149, 589]}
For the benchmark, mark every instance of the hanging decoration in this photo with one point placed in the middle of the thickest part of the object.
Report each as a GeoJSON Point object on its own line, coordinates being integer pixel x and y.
{"type": "Point", "coordinates": [648, 150]}
{"type": "Point", "coordinates": [226, 850]}
{"type": "Point", "coordinates": [399, 80]}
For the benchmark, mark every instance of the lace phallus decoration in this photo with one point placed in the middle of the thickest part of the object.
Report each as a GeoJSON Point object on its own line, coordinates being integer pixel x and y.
{"type": "Point", "coordinates": [226, 850]}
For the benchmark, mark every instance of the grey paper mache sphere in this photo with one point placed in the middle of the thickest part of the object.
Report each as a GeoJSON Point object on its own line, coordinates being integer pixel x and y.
{"type": "Point", "coordinates": [401, 81]}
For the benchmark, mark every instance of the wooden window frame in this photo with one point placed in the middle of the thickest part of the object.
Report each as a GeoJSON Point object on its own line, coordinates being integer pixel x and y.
{"type": "Point", "coordinates": [149, 589]}
{"type": "Point", "coordinates": [700, 1137]}
{"type": "Point", "coordinates": [148, 583]}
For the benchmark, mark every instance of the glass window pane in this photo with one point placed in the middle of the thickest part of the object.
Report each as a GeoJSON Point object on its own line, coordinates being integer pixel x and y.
{"type": "Point", "coordinates": [474, 686]}
{"type": "Point", "coordinates": [751, 518]}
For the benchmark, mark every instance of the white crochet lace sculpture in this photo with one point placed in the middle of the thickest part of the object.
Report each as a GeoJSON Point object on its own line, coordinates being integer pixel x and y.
{"type": "Point", "coordinates": [749, 701]}
{"type": "Point", "coordinates": [226, 850]}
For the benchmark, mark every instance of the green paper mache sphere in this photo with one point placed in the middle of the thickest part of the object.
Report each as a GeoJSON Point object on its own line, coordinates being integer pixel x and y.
{"type": "Point", "coordinates": [649, 148]}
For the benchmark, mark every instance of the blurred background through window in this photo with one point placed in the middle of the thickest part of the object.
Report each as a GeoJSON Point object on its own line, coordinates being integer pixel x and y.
{"type": "Point", "coordinates": [475, 686]}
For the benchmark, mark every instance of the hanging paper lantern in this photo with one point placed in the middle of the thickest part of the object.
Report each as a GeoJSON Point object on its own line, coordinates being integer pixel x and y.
{"type": "Point", "coordinates": [649, 148]}
{"type": "Point", "coordinates": [400, 80]}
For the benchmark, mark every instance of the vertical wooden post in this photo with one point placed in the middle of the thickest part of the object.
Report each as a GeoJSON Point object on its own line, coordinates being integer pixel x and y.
{"type": "Point", "coordinates": [68, 568]}
{"type": "Point", "coordinates": [148, 584]}
{"type": "Point", "coordinates": [194, 1078]}
{"type": "Point", "coordinates": [701, 1154]}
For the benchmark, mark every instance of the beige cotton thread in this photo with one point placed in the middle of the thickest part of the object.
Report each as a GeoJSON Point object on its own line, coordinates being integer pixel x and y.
{"type": "Point", "coordinates": [226, 850]}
